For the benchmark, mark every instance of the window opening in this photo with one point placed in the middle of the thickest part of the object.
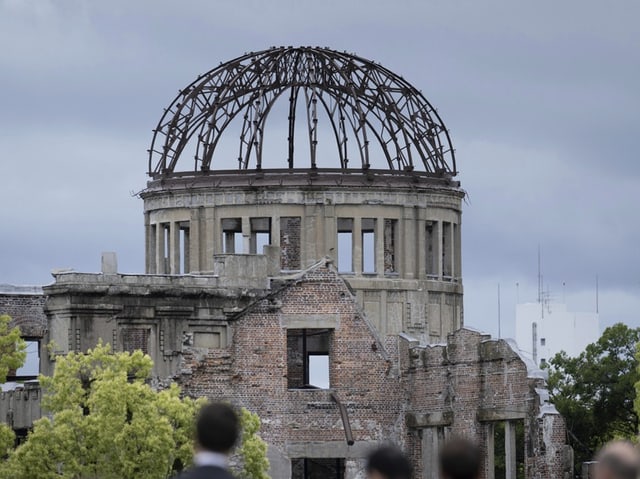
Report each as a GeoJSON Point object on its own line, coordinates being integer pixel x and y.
{"type": "Point", "coordinates": [345, 245]}
{"type": "Point", "coordinates": [260, 234]}
{"type": "Point", "coordinates": [446, 249]}
{"type": "Point", "coordinates": [31, 367]}
{"type": "Point", "coordinates": [317, 468]}
{"type": "Point", "coordinates": [231, 235]}
{"type": "Point", "coordinates": [308, 358]}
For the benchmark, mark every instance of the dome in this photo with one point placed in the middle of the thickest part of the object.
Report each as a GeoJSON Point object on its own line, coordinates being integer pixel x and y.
{"type": "Point", "coordinates": [369, 117]}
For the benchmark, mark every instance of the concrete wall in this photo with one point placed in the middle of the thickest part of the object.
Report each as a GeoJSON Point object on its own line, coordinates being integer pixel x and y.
{"type": "Point", "coordinates": [407, 271]}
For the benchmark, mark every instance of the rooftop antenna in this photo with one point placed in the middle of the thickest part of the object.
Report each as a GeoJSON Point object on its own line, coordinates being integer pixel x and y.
{"type": "Point", "coordinates": [564, 293]}
{"type": "Point", "coordinates": [539, 276]}
{"type": "Point", "coordinates": [517, 292]}
{"type": "Point", "coordinates": [597, 296]}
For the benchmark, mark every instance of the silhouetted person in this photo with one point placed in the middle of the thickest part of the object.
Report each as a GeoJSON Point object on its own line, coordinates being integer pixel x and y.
{"type": "Point", "coordinates": [460, 459]}
{"type": "Point", "coordinates": [618, 460]}
{"type": "Point", "coordinates": [217, 430]}
{"type": "Point", "coordinates": [388, 462]}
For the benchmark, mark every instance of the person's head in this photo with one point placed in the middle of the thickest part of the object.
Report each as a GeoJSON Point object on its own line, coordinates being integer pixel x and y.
{"type": "Point", "coordinates": [388, 462]}
{"type": "Point", "coordinates": [460, 459]}
{"type": "Point", "coordinates": [618, 460]}
{"type": "Point", "coordinates": [217, 428]}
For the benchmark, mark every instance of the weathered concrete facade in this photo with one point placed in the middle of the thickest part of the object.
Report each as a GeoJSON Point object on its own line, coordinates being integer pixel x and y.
{"type": "Point", "coordinates": [400, 246]}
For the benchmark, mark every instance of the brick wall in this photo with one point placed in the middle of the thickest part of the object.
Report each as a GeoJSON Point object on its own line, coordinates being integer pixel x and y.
{"type": "Point", "coordinates": [26, 311]}
{"type": "Point", "coordinates": [290, 242]}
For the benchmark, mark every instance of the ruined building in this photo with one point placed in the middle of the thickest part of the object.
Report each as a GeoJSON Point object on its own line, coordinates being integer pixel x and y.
{"type": "Point", "coordinates": [317, 281]}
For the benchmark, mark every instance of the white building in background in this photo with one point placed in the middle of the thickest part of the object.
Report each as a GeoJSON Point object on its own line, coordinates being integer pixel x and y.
{"type": "Point", "coordinates": [544, 329]}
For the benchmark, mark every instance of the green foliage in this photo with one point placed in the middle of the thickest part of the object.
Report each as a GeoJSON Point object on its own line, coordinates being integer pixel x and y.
{"type": "Point", "coordinates": [106, 421]}
{"type": "Point", "coordinates": [12, 348]}
{"type": "Point", "coordinates": [595, 391]}
{"type": "Point", "coordinates": [7, 439]}
{"type": "Point", "coordinates": [253, 450]}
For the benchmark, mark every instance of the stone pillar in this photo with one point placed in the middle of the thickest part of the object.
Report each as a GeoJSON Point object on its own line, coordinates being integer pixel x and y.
{"type": "Point", "coordinates": [379, 247]}
{"type": "Point", "coordinates": [194, 242]}
{"type": "Point", "coordinates": [421, 246]}
{"type": "Point", "coordinates": [149, 246]}
{"type": "Point", "coordinates": [457, 251]}
{"type": "Point", "coordinates": [174, 248]}
{"type": "Point", "coordinates": [331, 233]}
{"type": "Point", "coordinates": [430, 449]}
{"type": "Point", "coordinates": [160, 246]}
{"type": "Point", "coordinates": [357, 246]}
{"type": "Point", "coordinates": [211, 239]}
{"type": "Point", "coordinates": [510, 449]}
{"type": "Point", "coordinates": [187, 250]}
{"type": "Point", "coordinates": [409, 243]}
{"type": "Point", "coordinates": [437, 248]}
{"type": "Point", "coordinates": [246, 236]}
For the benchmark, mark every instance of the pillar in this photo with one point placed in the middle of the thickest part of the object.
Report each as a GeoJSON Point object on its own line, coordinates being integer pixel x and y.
{"type": "Point", "coordinates": [174, 247]}
{"type": "Point", "coordinates": [357, 246]}
{"type": "Point", "coordinates": [510, 449]}
{"type": "Point", "coordinates": [160, 247]}
{"type": "Point", "coordinates": [409, 243]}
{"type": "Point", "coordinates": [194, 242]}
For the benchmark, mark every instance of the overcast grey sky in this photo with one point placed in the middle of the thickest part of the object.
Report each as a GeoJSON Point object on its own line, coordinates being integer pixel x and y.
{"type": "Point", "coordinates": [542, 100]}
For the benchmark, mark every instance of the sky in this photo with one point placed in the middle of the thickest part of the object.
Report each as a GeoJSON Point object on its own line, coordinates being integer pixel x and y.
{"type": "Point", "coordinates": [542, 101]}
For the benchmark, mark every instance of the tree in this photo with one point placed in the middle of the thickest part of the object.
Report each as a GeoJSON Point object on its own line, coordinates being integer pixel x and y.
{"type": "Point", "coordinates": [12, 356]}
{"type": "Point", "coordinates": [253, 450]}
{"type": "Point", "coordinates": [595, 391]}
{"type": "Point", "coordinates": [12, 348]}
{"type": "Point", "coordinates": [106, 421]}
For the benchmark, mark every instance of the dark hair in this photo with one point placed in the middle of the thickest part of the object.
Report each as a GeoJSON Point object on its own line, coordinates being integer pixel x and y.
{"type": "Point", "coordinates": [217, 427]}
{"type": "Point", "coordinates": [390, 462]}
{"type": "Point", "coordinates": [460, 459]}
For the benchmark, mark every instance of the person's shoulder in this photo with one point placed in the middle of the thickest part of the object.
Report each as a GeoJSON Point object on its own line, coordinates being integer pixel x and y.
{"type": "Point", "coordinates": [205, 472]}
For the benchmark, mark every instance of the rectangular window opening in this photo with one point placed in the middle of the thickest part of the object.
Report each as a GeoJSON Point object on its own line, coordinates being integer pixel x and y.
{"type": "Point", "coordinates": [260, 234]}
{"type": "Point", "coordinates": [232, 235]}
{"type": "Point", "coordinates": [317, 468]}
{"type": "Point", "coordinates": [368, 245]}
{"type": "Point", "coordinates": [31, 367]}
{"type": "Point", "coordinates": [446, 250]}
{"type": "Point", "coordinates": [345, 245]}
{"type": "Point", "coordinates": [166, 245]}
{"type": "Point", "coordinates": [502, 463]}
{"type": "Point", "coordinates": [308, 358]}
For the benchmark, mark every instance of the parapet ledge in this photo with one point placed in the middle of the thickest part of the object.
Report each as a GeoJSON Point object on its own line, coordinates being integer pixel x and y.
{"type": "Point", "coordinates": [150, 284]}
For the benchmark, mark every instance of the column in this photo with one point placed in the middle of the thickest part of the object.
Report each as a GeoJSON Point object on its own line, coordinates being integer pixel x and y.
{"type": "Point", "coordinates": [211, 242]}
{"type": "Point", "coordinates": [194, 242]}
{"type": "Point", "coordinates": [458, 249]}
{"type": "Point", "coordinates": [160, 247]}
{"type": "Point", "coordinates": [150, 245]}
{"type": "Point", "coordinates": [421, 253]}
{"type": "Point", "coordinates": [430, 453]}
{"type": "Point", "coordinates": [357, 246]}
{"type": "Point", "coordinates": [510, 449]}
{"type": "Point", "coordinates": [437, 248]}
{"type": "Point", "coordinates": [409, 243]}
{"type": "Point", "coordinates": [246, 236]}
{"type": "Point", "coordinates": [174, 247]}
{"type": "Point", "coordinates": [379, 249]}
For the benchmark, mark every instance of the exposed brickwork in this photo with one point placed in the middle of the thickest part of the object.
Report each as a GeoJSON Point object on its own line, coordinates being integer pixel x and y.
{"type": "Point", "coordinates": [389, 245]}
{"type": "Point", "coordinates": [290, 242]}
{"type": "Point", "coordinates": [26, 311]}
{"type": "Point", "coordinates": [135, 338]}
{"type": "Point", "coordinates": [394, 388]}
